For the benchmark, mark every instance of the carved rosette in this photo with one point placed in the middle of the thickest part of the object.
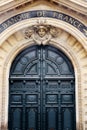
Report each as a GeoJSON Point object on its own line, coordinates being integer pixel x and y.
{"type": "Point", "coordinates": [41, 34]}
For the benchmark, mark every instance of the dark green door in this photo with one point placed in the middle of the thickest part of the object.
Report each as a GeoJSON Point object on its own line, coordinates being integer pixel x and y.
{"type": "Point", "coordinates": [42, 91]}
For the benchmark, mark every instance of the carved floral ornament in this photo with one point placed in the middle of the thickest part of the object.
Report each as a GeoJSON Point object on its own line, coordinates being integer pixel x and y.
{"type": "Point", "coordinates": [41, 34]}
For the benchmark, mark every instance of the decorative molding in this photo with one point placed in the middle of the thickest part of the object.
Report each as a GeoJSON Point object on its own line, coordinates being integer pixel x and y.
{"type": "Point", "coordinates": [41, 33]}
{"type": "Point", "coordinates": [44, 13]}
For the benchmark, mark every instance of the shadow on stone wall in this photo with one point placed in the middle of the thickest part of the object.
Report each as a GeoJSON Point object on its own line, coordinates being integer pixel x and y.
{"type": "Point", "coordinates": [4, 127]}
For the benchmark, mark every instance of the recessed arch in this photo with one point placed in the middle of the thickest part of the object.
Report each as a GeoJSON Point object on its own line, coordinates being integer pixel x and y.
{"type": "Point", "coordinates": [21, 45]}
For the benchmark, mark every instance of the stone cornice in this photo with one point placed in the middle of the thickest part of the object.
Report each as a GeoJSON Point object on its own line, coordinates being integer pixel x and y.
{"type": "Point", "coordinates": [80, 5]}
{"type": "Point", "coordinates": [12, 4]}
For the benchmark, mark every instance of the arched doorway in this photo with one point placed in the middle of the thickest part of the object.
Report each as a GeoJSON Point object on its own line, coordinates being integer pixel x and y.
{"type": "Point", "coordinates": [42, 90]}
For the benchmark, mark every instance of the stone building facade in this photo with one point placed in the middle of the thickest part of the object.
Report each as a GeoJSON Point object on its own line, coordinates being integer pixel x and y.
{"type": "Point", "coordinates": [64, 26]}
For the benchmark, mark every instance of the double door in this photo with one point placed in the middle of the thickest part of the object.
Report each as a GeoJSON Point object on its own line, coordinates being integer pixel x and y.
{"type": "Point", "coordinates": [42, 91]}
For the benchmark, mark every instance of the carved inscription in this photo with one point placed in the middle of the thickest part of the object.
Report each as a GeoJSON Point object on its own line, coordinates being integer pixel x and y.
{"type": "Point", "coordinates": [44, 13]}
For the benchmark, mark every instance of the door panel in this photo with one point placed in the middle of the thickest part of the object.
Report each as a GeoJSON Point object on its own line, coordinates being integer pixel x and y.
{"type": "Point", "coordinates": [52, 118]}
{"type": "Point", "coordinates": [16, 118]}
{"type": "Point", "coordinates": [67, 119]}
{"type": "Point", "coordinates": [42, 91]}
{"type": "Point", "coordinates": [31, 118]}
